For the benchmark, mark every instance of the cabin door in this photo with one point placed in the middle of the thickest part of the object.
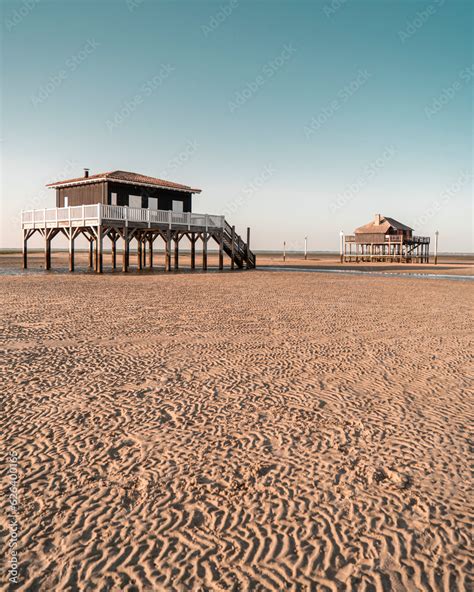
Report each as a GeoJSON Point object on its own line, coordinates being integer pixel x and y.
{"type": "Point", "coordinates": [177, 206]}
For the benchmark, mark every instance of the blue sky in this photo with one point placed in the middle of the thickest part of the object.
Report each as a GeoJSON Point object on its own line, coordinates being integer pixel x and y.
{"type": "Point", "coordinates": [295, 118]}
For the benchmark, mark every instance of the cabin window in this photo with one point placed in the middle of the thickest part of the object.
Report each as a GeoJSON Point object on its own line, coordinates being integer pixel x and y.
{"type": "Point", "coordinates": [177, 206]}
{"type": "Point", "coordinates": [66, 201]}
{"type": "Point", "coordinates": [153, 203]}
{"type": "Point", "coordinates": [113, 199]}
{"type": "Point", "coordinates": [135, 201]}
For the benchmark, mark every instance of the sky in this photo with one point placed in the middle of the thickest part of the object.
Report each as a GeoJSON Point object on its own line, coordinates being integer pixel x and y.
{"type": "Point", "coordinates": [295, 118]}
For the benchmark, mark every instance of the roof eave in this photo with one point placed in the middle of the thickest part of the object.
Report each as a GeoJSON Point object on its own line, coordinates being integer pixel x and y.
{"type": "Point", "coordinates": [101, 179]}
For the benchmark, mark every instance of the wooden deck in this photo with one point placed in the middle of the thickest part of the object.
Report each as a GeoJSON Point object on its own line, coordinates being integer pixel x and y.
{"type": "Point", "coordinates": [99, 221]}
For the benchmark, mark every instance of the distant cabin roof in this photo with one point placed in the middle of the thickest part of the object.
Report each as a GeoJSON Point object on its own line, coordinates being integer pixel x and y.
{"type": "Point", "coordinates": [124, 177]}
{"type": "Point", "coordinates": [381, 224]}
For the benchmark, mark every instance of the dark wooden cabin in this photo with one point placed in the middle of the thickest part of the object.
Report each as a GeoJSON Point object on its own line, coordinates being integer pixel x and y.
{"type": "Point", "coordinates": [125, 206]}
{"type": "Point", "coordinates": [122, 188]}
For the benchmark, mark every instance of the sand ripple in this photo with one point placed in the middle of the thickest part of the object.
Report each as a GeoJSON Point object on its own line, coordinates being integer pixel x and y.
{"type": "Point", "coordinates": [239, 432]}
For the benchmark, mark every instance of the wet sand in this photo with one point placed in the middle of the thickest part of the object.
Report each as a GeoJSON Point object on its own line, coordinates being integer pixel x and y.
{"type": "Point", "coordinates": [238, 431]}
{"type": "Point", "coordinates": [462, 265]}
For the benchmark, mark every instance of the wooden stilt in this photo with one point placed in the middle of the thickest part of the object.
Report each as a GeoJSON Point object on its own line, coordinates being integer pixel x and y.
{"type": "Point", "coordinates": [91, 252]}
{"type": "Point", "coordinates": [221, 250]}
{"type": "Point", "coordinates": [150, 248]}
{"type": "Point", "coordinates": [99, 267]}
{"type": "Point", "coordinates": [193, 250]}
{"type": "Point", "coordinates": [25, 248]}
{"type": "Point", "coordinates": [232, 254]}
{"type": "Point", "coordinates": [176, 250]}
{"type": "Point", "coordinates": [72, 236]}
{"type": "Point", "coordinates": [114, 238]}
{"type": "Point", "coordinates": [168, 251]}
{"type": "Point", "coordinates": [125, 250]}
{"type": "Point", "coordinates": [144, 252]}
{"type": "Point", "coordinates": [139, 252]}
{"type": "Point", "coordinates": [205, 238]}
{"type": "Point", "coordinates": [248, 248]}
{"type": "Point", "coordinates": [47, 249]}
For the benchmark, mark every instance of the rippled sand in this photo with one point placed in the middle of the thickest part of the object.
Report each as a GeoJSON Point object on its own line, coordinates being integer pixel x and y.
{"type": "Point", "coordinates": [245, 431]}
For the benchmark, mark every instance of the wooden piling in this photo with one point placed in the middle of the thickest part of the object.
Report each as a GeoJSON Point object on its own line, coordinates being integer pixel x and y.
{"type": "Point", "coordinates": [114, 238]}
{"type": "Point", "coordinates": [150, 249]}
{"type": "Point", "coordinates": [232, 248]}
{"type": "Point", "coordinates": [47, 250]}
{"type": "Point", "coordinates": [91, 252]}
{"type": "Point", "coordinates": [221, 250]}
{"type": "Point", "coordinates": [25, 248]}
{"type": "Point", "coordinates": [168, 251]}
{"type": "Point", "coordinates": [176, 251]}
{"type": "Point", "coordinates": [248, 248]}
{"type": "Point", "coordinates": [125, 250]}
{"type": "Point", "coordinates": [193, 250]}
{"type": "Point", "coordinates": [204, 250]}
{"type": "Point", "coordinates": [139, 252]}
{"type": "Point", "coordinates": [71, 249]}
{"type": "Point", "coordinates": [99, 267]}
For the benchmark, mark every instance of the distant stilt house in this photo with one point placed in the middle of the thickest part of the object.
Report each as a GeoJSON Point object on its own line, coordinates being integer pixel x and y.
{"type": "Point", "coordinates": [385, 239]}
{"type": "Point", "coordinates": [123, 206]}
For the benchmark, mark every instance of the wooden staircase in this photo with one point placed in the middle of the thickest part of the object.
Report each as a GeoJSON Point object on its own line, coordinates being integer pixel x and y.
{"type": "Point", "coordinates": [237, 249]}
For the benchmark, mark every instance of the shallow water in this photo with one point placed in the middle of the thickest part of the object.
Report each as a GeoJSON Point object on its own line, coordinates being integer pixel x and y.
{"type": "Point", "coordinates": [413, 275]}
{"type": "Point", "coordinates": [12, 271]}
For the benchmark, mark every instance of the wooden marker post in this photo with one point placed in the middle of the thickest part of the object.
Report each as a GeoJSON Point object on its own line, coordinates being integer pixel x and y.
{"type": "Point", "coordinates": [436, 248]}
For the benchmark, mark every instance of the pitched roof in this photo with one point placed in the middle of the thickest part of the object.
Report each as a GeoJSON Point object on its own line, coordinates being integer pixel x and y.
{"type": "Point", "coordinates": [381, 225]}
{"type": "Point", "coordinates": [125, 177]}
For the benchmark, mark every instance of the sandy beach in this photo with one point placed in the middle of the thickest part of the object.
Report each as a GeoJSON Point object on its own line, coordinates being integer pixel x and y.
{"type": "Point", "coordinates": [238, 431]}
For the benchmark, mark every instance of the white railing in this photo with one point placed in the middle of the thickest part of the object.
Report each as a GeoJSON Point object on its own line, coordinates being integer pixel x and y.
{"type": "Point", "coordinates": [99, 213]}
